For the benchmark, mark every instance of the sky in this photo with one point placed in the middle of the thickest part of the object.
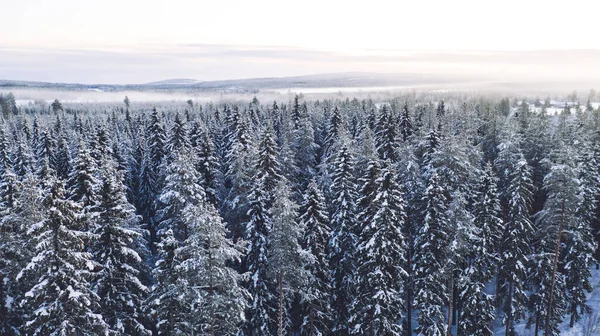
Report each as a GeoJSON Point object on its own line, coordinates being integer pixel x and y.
{"type": "Point", "coordinates": [135, 41]}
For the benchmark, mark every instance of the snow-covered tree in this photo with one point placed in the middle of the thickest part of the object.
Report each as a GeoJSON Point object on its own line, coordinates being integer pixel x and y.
{"type": "Point", "coordinates": [478, 306]}
{"type": "Point", "coordinates": [262, 310]}
{"type": "Point", "coordinates": [218, 301]}
{"type": "Point", "coordinates": [316, 297]}
{"type": "Point", "coordinates": [557, 221]}
{"type": "Point", "coordinates": [169, 303]}
{"type": "Point", "coordinates": [117, 284]}
{"type": "Point", "coordinates": [515, 247]}
{"type": "Point", "coordinates": [431, 264]}
{"type": "Point", "coordinates": [286, 256]}
{"type": "Point", "coordinates": [181, 189]}
{"type": "Point", "coordinates": [61, 301]}
{"type": "Point", "coordinates": [342, 243]}
{"type": "Point", "coordinates": [380, 260]}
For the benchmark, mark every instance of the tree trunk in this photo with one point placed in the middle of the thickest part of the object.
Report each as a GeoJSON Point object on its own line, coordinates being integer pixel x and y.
{"type": "Point", "coordinates": [280, 305]}
{"type": "Point", "coordinates": [451, 292]}
{"type": "Point", "coordinates": [556, 252]}
{"type": "Point", "coordinates": [509, 315]}
{"type": "Point", "coordinates": [409, 289]}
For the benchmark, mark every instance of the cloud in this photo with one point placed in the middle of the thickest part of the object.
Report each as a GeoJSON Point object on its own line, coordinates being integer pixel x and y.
{"type": "Point", "coordinates": [152, 62]}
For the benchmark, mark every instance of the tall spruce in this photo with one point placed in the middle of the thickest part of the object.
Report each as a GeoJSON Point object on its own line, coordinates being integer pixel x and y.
{"type": "Point", "coordinates": [431, 265]}
{"type": "Point", "coordinates": [61, 302]}
{"type": "Point", "coordinates": [316, 311]}
{"type": "Point", "coordinates": [343, 239]}
{"type": "Point", "coordinates": [380, 259]}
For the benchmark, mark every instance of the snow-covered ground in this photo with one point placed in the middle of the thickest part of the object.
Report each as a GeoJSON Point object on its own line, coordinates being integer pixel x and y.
{"type": "Point", "coordinates": [578, 328]}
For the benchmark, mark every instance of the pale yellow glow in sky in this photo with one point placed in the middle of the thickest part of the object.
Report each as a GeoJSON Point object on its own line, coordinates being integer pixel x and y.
{"type": "Point", "coordinates": [322, 24]}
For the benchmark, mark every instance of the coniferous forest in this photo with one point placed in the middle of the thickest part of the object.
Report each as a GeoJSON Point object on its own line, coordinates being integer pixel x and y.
{"type": "Point", "coordinates": [424, 214]}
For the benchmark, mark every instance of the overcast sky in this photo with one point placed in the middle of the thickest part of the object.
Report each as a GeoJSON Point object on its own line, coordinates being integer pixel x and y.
{"type": "Point", "coordinates": [136, 41]}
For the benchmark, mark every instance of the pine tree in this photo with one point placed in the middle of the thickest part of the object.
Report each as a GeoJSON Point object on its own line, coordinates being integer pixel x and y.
{"type": "Point", "coordinates": [478, 306]}
{"type": "Point", "coordinates": [385, 135]}
{"type": "Point", "coordinates": [82, 183]}
{"type": "Point", "coordinates": [5, 159]}
{"type": "Point", "coordinates": [557, 217]}
{"type": "Point", "coordinates": [181, 189]}
{"type": "Point", "coordinates": [46, 150]}
{"type": "Point", "coordinates": [23, 160]}
{"type": "Point", "coordinates": [380, 258]}
{"type": "Point", "coordinates": [219, 300]}
{"type": "Point", "coordinates": [431, 262]}
{"type": "Point", "coordinates": [178, 139]}
{"type": "Point", "coordinates": [169, 303]}
{"type": "Point", "coordinates": [61, 302]}
{"type": "Point", "coordinates": [117, 282]}
{"type": "Point", "coordinates": [12, 251]}
{"type": "Point", "coordinates": [63, 159]}
{"type": "Point", "coordinates": [208, 167]}
{"type": "Point", "coordinates": [262, 311]}
{"type": "Point", "coordinates": [267, 168]}
{"type": "Point", "coordinates": [316, 300]}
{"type": "Point", "coordinates": [305, 149]}
{"type": "Point", "coordinates": [343, 239]}
{"type": "Point", "coordinates": [238, 153]}
{"type": "Point", "coordinates": [286, 256]}
{"type": "Point", "coordinates": [515, 248]}
{"type": "Point", "coordinates": [100, 148]}
{"type": "Point", "coordinates": [406, 128]}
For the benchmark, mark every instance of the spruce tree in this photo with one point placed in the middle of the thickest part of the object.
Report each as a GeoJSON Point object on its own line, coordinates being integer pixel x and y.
{"type": "Point", "coordinates": [181, 189]}
{"type": "Point", "coordinates": [286, 256]}
{"type": "Point", "coordinates": [478, 306]}
{"type": "Point", "coordinates": [168, 303]}
{"type": "Point", "coordinates": [554, 222]}
{"type": "Point", "coordinates": [343, 239]}
{"type": "Point", "coordinates": [178, 139]}
{"type": "Point", "coordinates": [316, 299]}
{"type": "Point", "coordinates": [218, 301]}
{"type": "Point", "coordinates": [61, 302]}
{"type": "Point", "coordinates": [431, 263]}
{"type": "Point", "coordinates": [405, 125]}
{"type": "Point", "coordinates": [380, 260]}
{"type": "Point", "coordinates": [262, 311]}
{"type": "Point", "coordinates": [515, 250]}
{"type": "Point", "coordinates": [117, 283]}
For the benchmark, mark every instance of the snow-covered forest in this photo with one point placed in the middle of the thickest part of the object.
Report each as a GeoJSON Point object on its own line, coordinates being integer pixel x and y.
{"type": "Point", "coordinates": [433, 214]}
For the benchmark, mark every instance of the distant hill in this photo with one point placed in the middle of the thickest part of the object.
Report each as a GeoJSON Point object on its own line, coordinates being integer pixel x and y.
{"type": "Point", "coordinates": [346, 79]}
{"type": "Point", "coordinates": [176, 81]}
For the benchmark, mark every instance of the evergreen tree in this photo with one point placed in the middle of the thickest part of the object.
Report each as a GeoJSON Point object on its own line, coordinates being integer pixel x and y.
{"type": "Point", "coordinates": [82, 183]}
{"type": "Point", "coordinates": [117, 283]}
{"type": "Point", "coordinates": [431, 263]}
{"type": "Point", "coordinates": [63, 159]}
{"type": "Point", "coordinates": [46, 150]}
{"type": "Point", "coordinates": [406, 128]}
{"type": "Point", "coordinates": [208, 167]}
{"type": "Point", "coordinates": [386, 135]}
{"type": "Point", "coordinates": [169, 303]}
{"type": "Point", "coordinates": [286, 256]}
{"type": "Point", "coordinates": [557, 217]}
{"type": "Point", "coordinates": [316, 299]}
{"type": "Point", "coordinates": [262, 311]}
{"type": "Point", "coordinates": [181, 189]}
{"type": "Point", "coordinates": [61, 302]}
{"type": "Point", "coordinates": [478, 306]}
{"type": "Point", "coordinates": [515, 248]}
{"type": "Point", "coordinates": [343, 239]}
{"type": "Point", "coordinates": [178, 139]}
{"type": "Point", "coordinates": [380, 258]}
{"type": "Point", "coordinates": [219, 301]}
